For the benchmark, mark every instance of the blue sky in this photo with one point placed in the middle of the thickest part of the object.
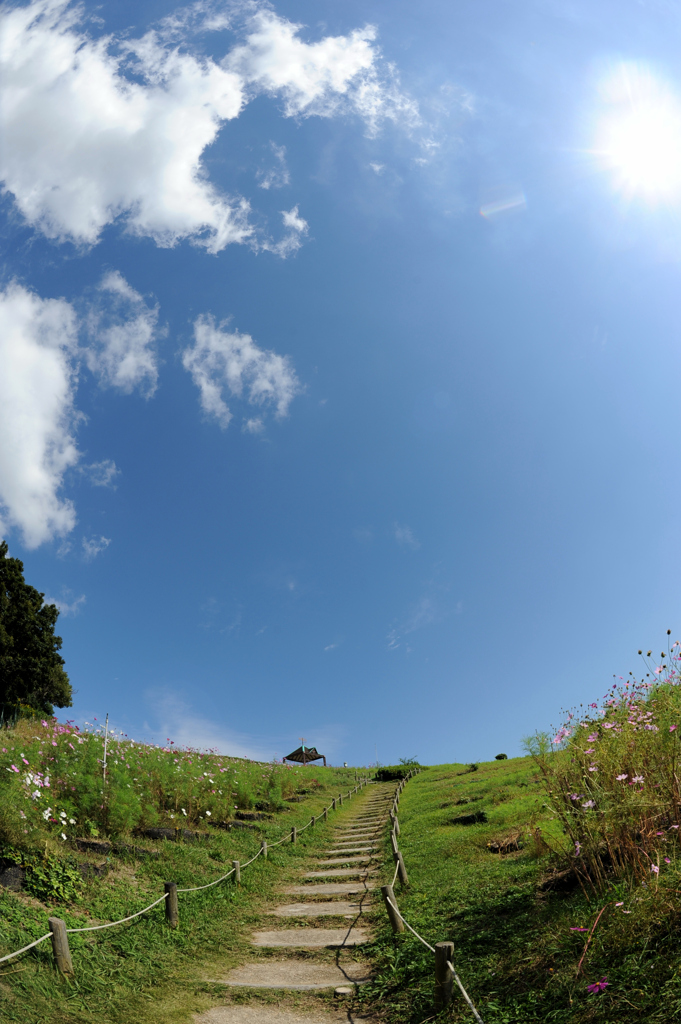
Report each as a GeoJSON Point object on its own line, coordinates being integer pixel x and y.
{"type": "Point", "coordinates": [339, 351]}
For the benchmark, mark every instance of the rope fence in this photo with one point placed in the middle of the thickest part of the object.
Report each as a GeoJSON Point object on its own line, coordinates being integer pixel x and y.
{"type": "Point", "coordinates": [445, 972]}
{"type": "Point", "coordinates": [59, 932]}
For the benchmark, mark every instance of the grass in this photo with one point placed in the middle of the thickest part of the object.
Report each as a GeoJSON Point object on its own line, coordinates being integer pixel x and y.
{"type": "Point", "coordinates": [144, 971]}
{"type": "Point", "coordinates": [517, 947]}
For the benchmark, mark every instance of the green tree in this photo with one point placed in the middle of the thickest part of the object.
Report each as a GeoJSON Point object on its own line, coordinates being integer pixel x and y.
{"type": "Point", "coordinates": [31, 668]}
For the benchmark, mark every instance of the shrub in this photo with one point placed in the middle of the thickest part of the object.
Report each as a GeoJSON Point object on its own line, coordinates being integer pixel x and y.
{"type": "Point", "coordinates": [613, 779]}
{"type": "Point", "coordinates": [501, 757]}
{"type": "Point", "coordinates": [392, 772]}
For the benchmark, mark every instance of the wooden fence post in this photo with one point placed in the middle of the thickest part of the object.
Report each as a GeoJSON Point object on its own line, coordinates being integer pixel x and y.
{"type": "Point", "coordinates": [444, 979]}
{"type": "Point", "coordinates": [237, 871]}
{"type": "Point", "coordinates": [60, 945]}
{"type": "Point", "coordinates": [294, 834]}
{"type": "Point", "coordinates": [326, 813]}
{"type": "Point", "coordinates": [333, 804]}
{"type": "Point", "coordinates": [388, 898]}
{"type": "Point", "coordinates": [313, 821]}
{"type": "Point", "coordinates": [172, 912]}
{"type": "Point", "coordinates": [395, 823]}
{"type": "Point", "coordinates": [340, 799]}
{"type": "Point", "coordinates": [401, 869]}
{"type": "Point", "coordinates": [393, 840]}
{"type": "Point", "coordinates": [263, 847]}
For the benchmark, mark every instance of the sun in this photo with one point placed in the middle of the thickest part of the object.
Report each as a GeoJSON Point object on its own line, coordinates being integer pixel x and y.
{"type": "Point", "coordinates": [639, 135]}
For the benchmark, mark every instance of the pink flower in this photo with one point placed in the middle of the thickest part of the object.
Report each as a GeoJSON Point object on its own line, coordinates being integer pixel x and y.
{"type": "Point", "coordinates": [598, 986]}
{"type": "Point", "coordinates": [578, 929]}
{"type": "Point", "coordinates": [592, 737]}
{"type": "Point", "coordinates": [667, 860]}
{"type": "Point", "coordinates": [637, 778]}
{"type": "Point", "coordinates": [620, 778]}
{"type": "Point", "coordinates": [620, 904]}
{"type": "Point", "coordinates": [13, 769]}
{"type": "Point", "coordinates": [654, 868]}
{"type": "Point", "coordinates": [672, 727]}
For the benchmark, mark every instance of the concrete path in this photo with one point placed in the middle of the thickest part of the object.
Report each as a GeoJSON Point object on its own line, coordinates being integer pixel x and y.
{"type": "Point", "coordinates": [352, 856]}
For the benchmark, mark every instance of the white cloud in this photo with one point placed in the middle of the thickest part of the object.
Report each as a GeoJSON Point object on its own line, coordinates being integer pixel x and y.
{"type": "Point", "coordinates": [93, 546]}
{"type": "Point", "coordinates": [405, 537]}
{"type": "Point", "coordinates": [254, 425]}
{"type": "Point", "coordinates": [65, 606]}
{"type": "Point", "coordinates": [114, 129]}
{"type": "Point", "coordinates": [123, 331]}
{"type": "Point", "coordinates": [296, 227]}
{"type": "Point", "coordinates": [41, 358]}
{"type": "Point", "coordinates": [102, 474]}
{"type": "Point", "coordinates": [425, 612]}
{"type": "Point", "coordinates": [278, 175]}
{"type": "Point", "coordinates": [38, 338]}
{"type": "Point", "coordinates": [331, 647]}
{"type": "Point", "coordinates": [222, 360]}
{"type": "Point", "coordinates": [338, 74]}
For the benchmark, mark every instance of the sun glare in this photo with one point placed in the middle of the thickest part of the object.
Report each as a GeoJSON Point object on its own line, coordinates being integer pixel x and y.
{"type": "Point", "coordinates": [639, 135]}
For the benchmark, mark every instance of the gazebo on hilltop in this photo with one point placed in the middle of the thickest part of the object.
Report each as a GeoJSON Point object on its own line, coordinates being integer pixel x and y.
{"type": "Point", "coordinates": [305, 755]}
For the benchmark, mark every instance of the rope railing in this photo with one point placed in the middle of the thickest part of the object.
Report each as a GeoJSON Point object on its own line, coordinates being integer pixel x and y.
{"type": "Point", "coordinates": [445, 971]}
{"type": "Point", "coordinates": [60, 931]}
{"type": "Point", "coordinates": [112, 924]}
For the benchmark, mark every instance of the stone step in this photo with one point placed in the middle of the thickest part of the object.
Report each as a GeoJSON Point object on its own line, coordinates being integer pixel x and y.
{"type": "Point", "coordinates": [352, 849]}
{"type": "Point", "coordinates": [339, 873]}
{"type": "Point", "coordinates": [264, 1013]}
{"type": "Point", "coordinates": [310, 938]}
{"type": "Point", "coordinates": [297, 975]}
{"type": "Point", "coordinates": [333, 908]}
{"type": "Point", "coordinates": [325, 889]}
{"type": "Point", "coordinates": [344, 860]}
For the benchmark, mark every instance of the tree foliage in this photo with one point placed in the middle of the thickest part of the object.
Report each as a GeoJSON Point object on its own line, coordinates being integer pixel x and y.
{"type": "Point", "coordinates": [31, 669]}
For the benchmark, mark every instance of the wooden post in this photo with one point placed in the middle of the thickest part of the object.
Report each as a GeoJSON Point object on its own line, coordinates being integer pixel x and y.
{"type": "Point", "coordinates": [333, 804]}
{"type": "Point", "coordinates": [444, 979]}
{"type": "Point", "coordinates": [263, 847]}
{"type": "Point", "coordinates": [393, 840]}
{"type": "Point", "coordinates": [172, 912]}
{"type": "Point", "coordinates": [395, 920]}
{"type": "Point", "coordinates": [313, 821]}
{"type": "Point", "coordinates": [326, 813]}
{"type": "Point", "coordinates": [237, 871]}
{"type": "Point", "coordinates": [60, 945]}
{"type": "Point", "coordinates": [340, 799]}
{"type": "Point", "coordinates": [401, 870]}
{"type": "Point", "coordinates": [395, 823]}
{"type": "Point", "coordinates": [294, 834]}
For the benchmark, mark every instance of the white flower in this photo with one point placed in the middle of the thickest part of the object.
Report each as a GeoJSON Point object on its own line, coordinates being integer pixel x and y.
{"type": "Point", "coordinates": [184, 812]}
{"type": "Point", "coordinates": [208, 814]}
{"type": "Point", "coordinates": [63, 836]}
{"type": "Point", "coordinates": [62, 814]}
{"type": "Point", "coordinates": [47, 812]}
{"type": "Point", "coordinates": [72, 821]}
{"type": "Point", "coordinates": [35, 795]}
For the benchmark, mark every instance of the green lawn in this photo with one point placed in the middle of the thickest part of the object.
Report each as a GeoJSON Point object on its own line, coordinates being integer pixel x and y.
{"type": "Point", "coordinates": [514, 948]}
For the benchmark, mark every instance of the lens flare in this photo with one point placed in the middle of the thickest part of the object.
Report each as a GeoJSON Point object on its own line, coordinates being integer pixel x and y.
{"type": "Point", "coordinates": [639, 135]}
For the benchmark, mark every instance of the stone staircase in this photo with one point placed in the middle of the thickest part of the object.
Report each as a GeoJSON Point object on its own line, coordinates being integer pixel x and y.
{"type": "Point", "coordinates": [352, 858]}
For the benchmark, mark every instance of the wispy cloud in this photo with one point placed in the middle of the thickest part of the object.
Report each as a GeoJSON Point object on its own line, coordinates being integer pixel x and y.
{"type": "Point", "coordinates": [123, 331]}
{"type": "Point", "coordinates": [102, 474]}
{"type": "Point", "coordinates": [222, 361]}
{"type": "Point", "coordinates": [93, 546]}
{"type": "Point", "coordinates": [67, 605]}
{"type": "Point", "coordinates": [426, 611]}
{"type": "Point", "coordinates": [277, 175]}
{"type": "Point", "coordinates": [405, 537]}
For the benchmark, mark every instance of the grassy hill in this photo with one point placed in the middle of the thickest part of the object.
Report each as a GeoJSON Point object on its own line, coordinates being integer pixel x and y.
{"type": "Point", "coordinates": [141, 972]}
{"type": "Point", "coordinates": [556, 875]}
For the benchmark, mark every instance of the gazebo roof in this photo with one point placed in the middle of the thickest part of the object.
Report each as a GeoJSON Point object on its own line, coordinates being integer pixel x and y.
{"type": "Point", "coordinates": [304, 755]}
